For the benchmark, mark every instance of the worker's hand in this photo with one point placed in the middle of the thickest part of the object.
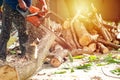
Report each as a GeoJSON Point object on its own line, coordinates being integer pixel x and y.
{"type": "Point", "coordinates": [23, 5]}
{"type": "Point", "coordinates": [1, 8]}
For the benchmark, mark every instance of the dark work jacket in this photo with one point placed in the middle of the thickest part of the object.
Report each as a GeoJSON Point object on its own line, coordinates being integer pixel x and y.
{"type": "Point", "coordinates": [14, 3]}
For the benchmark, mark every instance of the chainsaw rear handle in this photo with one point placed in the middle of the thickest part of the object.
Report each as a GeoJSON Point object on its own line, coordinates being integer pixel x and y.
{"type": "Point", "coordinates": [18, 8]}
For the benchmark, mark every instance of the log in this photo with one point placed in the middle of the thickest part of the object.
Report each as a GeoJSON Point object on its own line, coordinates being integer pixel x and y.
{"type": "Point", "coordinates": [92, 47]}
{"type": "Point", "coordinates": [116, 42]}
{"type": "Point", "coordinates": [58, 58]}
{"type": "Point", "coordinates": [74, 36]}
{"type": "Point", "coordinates": [84, 38]}
{"type": "Point", "coordinates": [107, 43]}
{"type": "Point", "coordinates": [109, 26]}
{"type": "Point", "coordinates": [67, 34]}
{"type": "Point", "coordinates": [87, 49]}
{"type": "Point", "coordinates": [24, 68]}
{"type": "Point", "coordinates": [77, 52]}
{"type": "Point", "coordinates": [103, 48]}
{"type": "Point", "coordinates": [8, 73]}
{"type": "Point", "coordinates": [102, 30]}
{"type": "Point", "coordinates": [106, 34]}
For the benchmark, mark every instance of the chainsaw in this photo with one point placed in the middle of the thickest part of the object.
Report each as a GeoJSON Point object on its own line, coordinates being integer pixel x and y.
{"type": "Point", "coordinates": [30, 15]}
{"type": "Point", "coordinates": [26, 13]}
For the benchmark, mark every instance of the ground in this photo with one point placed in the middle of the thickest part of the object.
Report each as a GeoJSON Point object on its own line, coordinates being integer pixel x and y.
{"type": "Point", "coordinates": [67, 72]}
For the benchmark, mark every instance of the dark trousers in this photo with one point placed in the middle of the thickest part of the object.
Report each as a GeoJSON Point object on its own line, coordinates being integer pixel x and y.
{"type": "Point", "coordinates": [12, 16]}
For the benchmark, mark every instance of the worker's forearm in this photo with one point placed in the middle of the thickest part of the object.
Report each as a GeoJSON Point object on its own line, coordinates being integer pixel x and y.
{"type": "Point", "coordinates": [20, 1]}
{"type": "Point", "coordinates": [22, 4]}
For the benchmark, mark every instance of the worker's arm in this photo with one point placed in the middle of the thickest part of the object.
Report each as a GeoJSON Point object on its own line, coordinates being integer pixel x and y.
{"type": "Point", "coordinates": [22, 4]}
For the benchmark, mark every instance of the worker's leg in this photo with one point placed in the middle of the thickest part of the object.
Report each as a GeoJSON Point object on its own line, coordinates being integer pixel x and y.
{"type": "Point", "coordinates": [1, 2]}
{"type": "Point", "coordinates": [20, 24]}
{"type": "Point", "coordinates": [5, 32]}
{"type": "Point", "coordinates": [0, 14]}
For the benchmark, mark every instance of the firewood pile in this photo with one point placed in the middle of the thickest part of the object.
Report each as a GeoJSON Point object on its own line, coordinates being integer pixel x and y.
{"type": "Point", "coordinates": [90, 33]}
{"type": "Point", "coordinates": [85, 33]}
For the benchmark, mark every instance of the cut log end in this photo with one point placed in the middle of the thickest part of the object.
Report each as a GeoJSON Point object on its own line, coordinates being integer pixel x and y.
{"type": "Point", "coordinates": [55, 62]}
{"type": "Point", "coordinates": [103, 48]}
{"type": "Point", "coordinates": [92, 47]}
{"type": "Point", "coordinates": [8, 73]}
{"type": "Point", "coordinates": [85, 40]}
{"type": "Point", "coordinates": [106, 50]}
{"type": "Point", "coordinates": [87, 49]}
{"type": "Point", "coordinates": [59, 56]}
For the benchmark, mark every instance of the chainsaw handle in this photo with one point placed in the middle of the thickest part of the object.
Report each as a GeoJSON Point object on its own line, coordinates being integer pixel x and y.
{"type": "Point", "coordinates": [24, 13]}
{"type": "Point", "coordinates": [20, 9]}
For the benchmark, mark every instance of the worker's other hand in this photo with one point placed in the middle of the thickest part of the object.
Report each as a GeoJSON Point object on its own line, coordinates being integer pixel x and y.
{"type": "Point", "coordinates": [1, 8]}
{"type": "Point", "coordinates": [23, 5]}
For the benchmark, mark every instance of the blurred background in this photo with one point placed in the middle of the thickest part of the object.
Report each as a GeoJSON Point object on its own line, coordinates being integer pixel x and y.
{"type": "Point", "coordinates": [109, 9]}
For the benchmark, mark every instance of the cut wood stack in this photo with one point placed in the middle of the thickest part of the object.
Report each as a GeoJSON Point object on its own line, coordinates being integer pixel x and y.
{"type": "Point", "coordinates": [89, 35]}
